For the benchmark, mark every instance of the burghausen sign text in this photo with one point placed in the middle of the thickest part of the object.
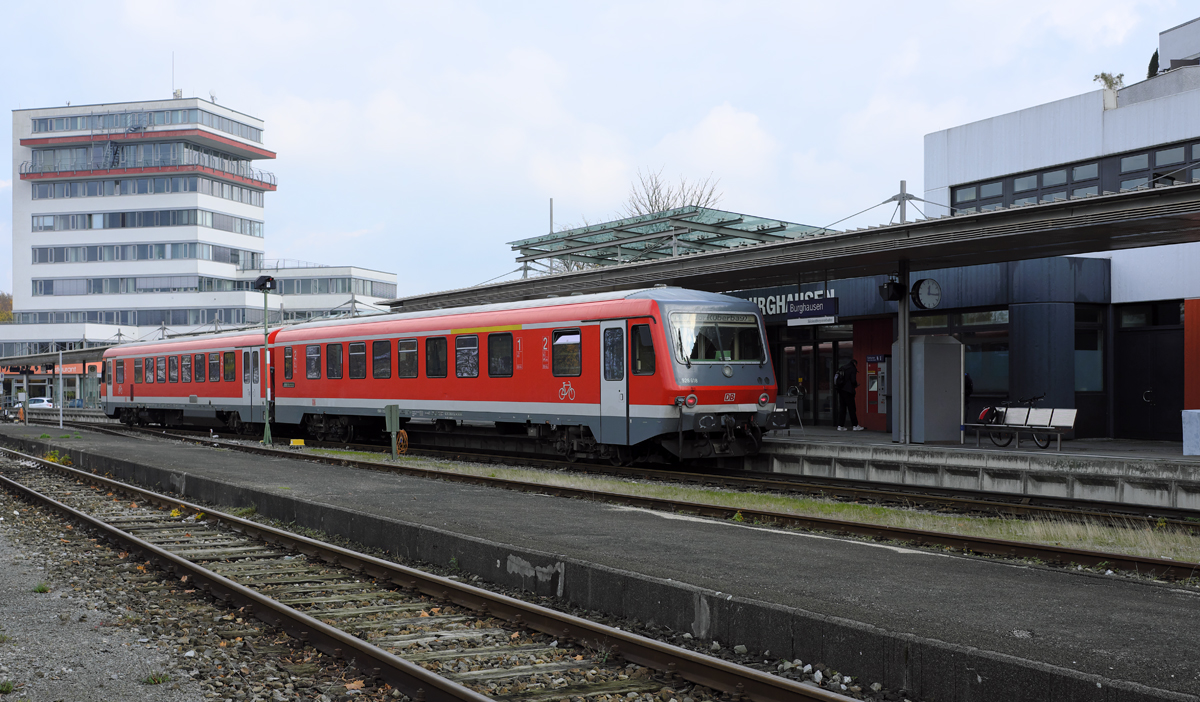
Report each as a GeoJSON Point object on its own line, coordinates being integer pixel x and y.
{"type": "Point", "coordinates": [777, 303]}
{"type": "Point", "coordinates": [819, 311]}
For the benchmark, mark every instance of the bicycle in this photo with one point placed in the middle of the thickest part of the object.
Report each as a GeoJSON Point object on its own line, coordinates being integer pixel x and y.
{"type": "Point", "coordinates": [566, 392]}
{"type": "Point", "coordinates": [993, 415]}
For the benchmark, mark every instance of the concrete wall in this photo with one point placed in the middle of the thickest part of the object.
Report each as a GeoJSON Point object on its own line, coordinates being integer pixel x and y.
{"type": "Point", "coordinates": [1179, 42]}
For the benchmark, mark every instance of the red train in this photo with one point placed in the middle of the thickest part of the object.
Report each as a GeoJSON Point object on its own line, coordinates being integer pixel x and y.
{"type": "Point", "coordinates": [659, 372]}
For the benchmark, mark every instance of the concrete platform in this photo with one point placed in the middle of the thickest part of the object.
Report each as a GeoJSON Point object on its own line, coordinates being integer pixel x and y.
{"type": "Point", "coordinates": [1137, 472]}
{"type": "Point", "coordinates": [942, 626]}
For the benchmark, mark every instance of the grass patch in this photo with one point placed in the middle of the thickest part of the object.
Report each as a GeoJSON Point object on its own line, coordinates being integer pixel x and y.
{"type": "Point", "coordinates": [5, 638]}
{"type": "Point", "coordinates": [41, 588]}
{"type": "Point", "coordinates": [7, 687]}
{"type": "Point", "coordinates": [245, 511]}
{"type": "Point", "coordinates": [1134, 538]}
{"type": "Point", "coordinates": [65, 436]}
{"type": "Point", "coordinates": [45, 436]}
{"type": "Point", "coordinates": [156, 678]}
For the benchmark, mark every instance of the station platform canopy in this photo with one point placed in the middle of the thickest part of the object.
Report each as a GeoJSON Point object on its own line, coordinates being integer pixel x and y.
{"type": "Point", "coordinates": [678, 232]}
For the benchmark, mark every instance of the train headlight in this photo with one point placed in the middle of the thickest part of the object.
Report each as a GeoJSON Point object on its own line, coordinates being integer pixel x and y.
{"type": "Point", "coordinates": [763, 399]}
{"type": "Point", "coordinates": [692, 401]}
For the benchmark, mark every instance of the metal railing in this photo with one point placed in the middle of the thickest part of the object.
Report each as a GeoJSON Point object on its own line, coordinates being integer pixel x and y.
{"type": "Point", "coordinates": [29, 167]}
{"type": "Point", "coordinates": [275, 264]}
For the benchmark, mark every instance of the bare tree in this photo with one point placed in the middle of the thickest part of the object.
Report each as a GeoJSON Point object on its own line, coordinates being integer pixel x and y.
{"type": "Point", "coordinates": [652, 193]}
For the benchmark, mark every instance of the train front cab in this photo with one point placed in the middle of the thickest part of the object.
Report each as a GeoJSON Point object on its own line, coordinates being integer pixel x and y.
{"type": "Point", "coordinates": [723, 380]}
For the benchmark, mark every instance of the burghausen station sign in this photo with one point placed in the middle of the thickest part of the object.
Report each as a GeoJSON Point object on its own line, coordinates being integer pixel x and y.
{"type": "Point", "coordinates": [818, 311]}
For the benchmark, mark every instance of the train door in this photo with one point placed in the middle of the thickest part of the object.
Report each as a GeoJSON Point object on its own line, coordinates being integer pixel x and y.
{"type": "Point", "coordinates": [251, 382]}
{"type": "Point", "coordinates": [614, 391]}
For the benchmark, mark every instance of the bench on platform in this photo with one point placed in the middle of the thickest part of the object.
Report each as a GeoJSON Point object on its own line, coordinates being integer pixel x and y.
{"type": "Point", "coordinates": [1014, 420]}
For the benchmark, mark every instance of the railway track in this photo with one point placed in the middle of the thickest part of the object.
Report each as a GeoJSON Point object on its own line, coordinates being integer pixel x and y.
{"type": "Point", "coordinates": [433, 638]}
{"type": "Point", "coordinates": [940, 499]}
{"type": "Point", "coordinates": [1142, 565]}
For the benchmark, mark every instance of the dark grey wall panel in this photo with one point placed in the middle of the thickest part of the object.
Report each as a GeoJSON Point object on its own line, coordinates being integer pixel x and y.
{"type": "Point", "coordinates": [1042, 352]}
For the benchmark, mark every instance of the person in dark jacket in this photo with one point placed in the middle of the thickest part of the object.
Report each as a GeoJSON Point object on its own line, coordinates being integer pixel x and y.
{"type": "Point", "coordinates": [845, 382]}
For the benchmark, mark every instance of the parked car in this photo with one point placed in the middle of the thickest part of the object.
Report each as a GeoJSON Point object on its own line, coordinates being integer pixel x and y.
{"type": "Point", "coordinates": [41, 403]}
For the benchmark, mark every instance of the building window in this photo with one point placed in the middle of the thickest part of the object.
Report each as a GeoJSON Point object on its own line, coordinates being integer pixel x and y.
{"type": "Point", "coordinates": [1089, 349]}
{"type": "Point", "coordinates": [1054, 178]}
{"type": "Point", "coordinates": [1168, 157]}
{"type": "Point", "coordinates": [989, 190]}
{"type": "Point", "coordinates": [1052, 197]}
{"type": "Point", "coordinates": [964, 194]}
{"type": "Point", "coordinates": [406, 358]}
{"type": "Point", "coordinates": [1135, 163]}
{"type": "Point", "coordinates": [1020, 185]}
{"type": "Point", "coordinates": [1134, 183]}
{"type": "Point", "coordinates": [1084, 192]}
{"type": "Point", "coordinates": [500, 355]}
{"type": "Point", "coordinates": [358, 360]}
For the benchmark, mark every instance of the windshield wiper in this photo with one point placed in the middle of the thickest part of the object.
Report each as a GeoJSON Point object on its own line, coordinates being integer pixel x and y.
{"type": "Point", "coordinates": [679, 336]}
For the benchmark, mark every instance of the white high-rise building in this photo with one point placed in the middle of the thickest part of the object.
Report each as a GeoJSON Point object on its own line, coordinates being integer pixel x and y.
{"type": "Point", "coordinates": [136, 219]}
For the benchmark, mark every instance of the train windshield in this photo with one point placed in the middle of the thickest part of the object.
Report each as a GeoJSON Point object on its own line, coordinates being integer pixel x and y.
{"type": "Point", "coordinates": [717, 338]}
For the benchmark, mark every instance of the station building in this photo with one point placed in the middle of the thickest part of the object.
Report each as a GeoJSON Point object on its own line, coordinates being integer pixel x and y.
{"type": "Point", "coordinates": [137, 220]}
{"type": "Point", "coordinates": [1114, 334]}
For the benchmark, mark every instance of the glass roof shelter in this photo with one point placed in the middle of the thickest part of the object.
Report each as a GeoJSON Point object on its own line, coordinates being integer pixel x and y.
{"type": "Point", "coordinates": [678, 232]}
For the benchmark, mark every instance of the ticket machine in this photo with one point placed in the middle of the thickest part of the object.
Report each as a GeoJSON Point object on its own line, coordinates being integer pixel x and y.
{"type": "Point", "coordinates": [877, 384]}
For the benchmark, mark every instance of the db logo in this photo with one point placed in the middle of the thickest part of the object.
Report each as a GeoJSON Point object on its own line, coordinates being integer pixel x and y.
{"type": "Point", "coordinates": [730, 396]}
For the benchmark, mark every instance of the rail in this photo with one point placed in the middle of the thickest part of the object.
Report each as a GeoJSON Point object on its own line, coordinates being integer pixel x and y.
{"type": "Point", "coordinates": [155, 166]}
{"type": "Point", "coordinates": [413, 680]}
{"type": "Point", "coordinates": [1144, 565]}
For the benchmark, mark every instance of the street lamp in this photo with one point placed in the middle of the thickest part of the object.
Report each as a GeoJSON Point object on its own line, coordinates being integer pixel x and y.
{"type": "Point", "coordinates": [265, 283]}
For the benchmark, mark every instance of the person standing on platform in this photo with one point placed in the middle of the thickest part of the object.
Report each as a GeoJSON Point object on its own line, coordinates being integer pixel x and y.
{"type": "Point", "coordinates": [845, 381]}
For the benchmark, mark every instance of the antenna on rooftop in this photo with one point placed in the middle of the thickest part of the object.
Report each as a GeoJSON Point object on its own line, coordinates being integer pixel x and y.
{"type": "Point", "coordinates": [212, 95]}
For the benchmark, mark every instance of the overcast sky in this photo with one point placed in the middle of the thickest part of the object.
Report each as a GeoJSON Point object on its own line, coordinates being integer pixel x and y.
{"type": "Point", "coordinates": [421, 137]}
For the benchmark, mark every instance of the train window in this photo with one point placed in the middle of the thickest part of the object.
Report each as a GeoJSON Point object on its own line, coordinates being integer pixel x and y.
{"type": "Point", "coordinates": [245, 367]}
{"type": "Point", "coordinates": [287, 363]}
{"type": "Point", "coordinates": [333, 361]}
{"type": "Point", "coordinates": [614, 354]}
{"type": "Point", "coordinates": [119, 376]}
{"type": "Point", "coordinates": [214, 368]}
{"type": "Point", "coordinates": [173, 368]}
{"type": "Point", "coordinates": [567, 356]}
{"type": "Point", "coordinates": [312, 362]}
{"type": "Point", "coordinates": [642, 350]}
{"type": "Point", "coordinates": [150, 370]}
{"type": "Point", "coordinates": [137, 370]}
{"type": "Point", "coordinates": [199, 368]}
{"type": "Point", "coordinates": [406, 358]}
{"type": "Point", "coordinates": [106, 372]}
{"type": "Point", "coordinates": [160, 370]}
{"type": "Point", "coordinates": [500, 355]}
{"type": "Point", "coordinates": [230, 363]}
{"type": "Point", "coordinates": [466, 356]}
{"type": "Point", "coordinates": [254, 366]}
{"type": "Point", "coordinates": [435, 357]}
{"type": "Point", "coordinates": [381, 359]}
{"type": "Point", "coordinates": [717, 337]}
{"type": "Point", "coordinates": [185, 368]}
{"type": "Point", "coordinates": [358, 359]}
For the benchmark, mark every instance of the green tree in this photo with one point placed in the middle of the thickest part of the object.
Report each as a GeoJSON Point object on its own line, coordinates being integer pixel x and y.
{"type": "Point", "coordinates": [1153, 70]}
{"type": "Point", "coordinates": [1110, 81]}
